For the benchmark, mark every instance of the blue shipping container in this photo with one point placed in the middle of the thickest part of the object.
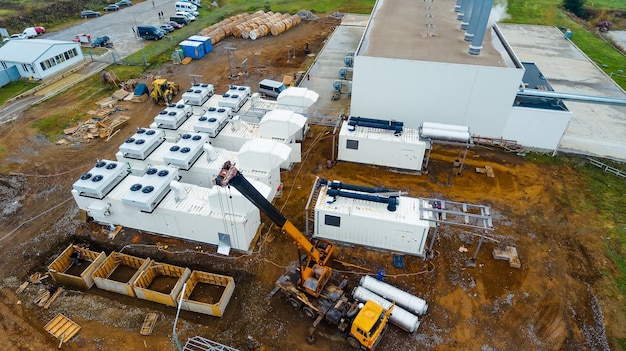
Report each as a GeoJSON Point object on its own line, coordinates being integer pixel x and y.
{"type": "Point", "coordinates": [193, 49]}
{"type": "Point", "coordinates": [208, 46]}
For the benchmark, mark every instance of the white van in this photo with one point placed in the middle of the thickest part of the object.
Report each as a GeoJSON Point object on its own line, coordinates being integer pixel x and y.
{"type": "Point", "coordinates": [30, 32]}
{"type": "Point", "coordinates": [271, 87]}
{"type": "Point", "coordinates": [189, 15]}
{"type": "Point", "coordinates": [187, 7]}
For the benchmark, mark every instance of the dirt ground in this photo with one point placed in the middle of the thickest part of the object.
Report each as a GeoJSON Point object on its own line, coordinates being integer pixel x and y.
{"type": "Point", "coordinates": [556, 301]}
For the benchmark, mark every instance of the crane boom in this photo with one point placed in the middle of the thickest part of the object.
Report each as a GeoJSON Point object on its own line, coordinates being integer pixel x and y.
{"type": "Point", "coordinates": [314, 274]}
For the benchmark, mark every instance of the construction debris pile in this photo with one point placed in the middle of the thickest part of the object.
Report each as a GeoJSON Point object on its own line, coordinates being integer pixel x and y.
{"type": "Point", "coordinates": [256, 25]}
{"type": "Point", "coordinates": [104, 123]}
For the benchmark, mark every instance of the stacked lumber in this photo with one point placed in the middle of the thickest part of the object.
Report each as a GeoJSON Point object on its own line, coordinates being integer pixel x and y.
{"type": "Point", "coordinates": [104, 123]}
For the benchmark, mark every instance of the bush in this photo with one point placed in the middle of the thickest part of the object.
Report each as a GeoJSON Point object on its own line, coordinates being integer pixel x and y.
{"type": "Point", "coordinates": [576, 7]}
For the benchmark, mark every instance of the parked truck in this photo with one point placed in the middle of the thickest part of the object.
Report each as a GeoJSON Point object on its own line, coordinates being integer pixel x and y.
{"type": "Point", "coordinates": [305, 283]}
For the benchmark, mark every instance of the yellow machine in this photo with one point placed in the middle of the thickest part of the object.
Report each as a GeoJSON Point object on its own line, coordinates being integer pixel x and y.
{"type": "Point", "coordinates": [305, 284]}
{"type": "Point", "coordinates": [163, 91]}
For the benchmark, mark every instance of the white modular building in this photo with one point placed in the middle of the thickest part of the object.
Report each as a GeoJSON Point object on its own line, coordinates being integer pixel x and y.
{"type": "Point", "coordinates": [199, 163]}
{"type": "Point", "coordinates": [238, 132]}
{"type": "Point", "coordinates": [370, 217]}
{"type": "Point", "coordinates": [156, 202]}
{"type": "Point", "coordinates": [387, 144]}
{"type": "Point", "coordinates": [430, 71]}
{"type": "Point", "coordinates": [198, 94]}
{"type": "Point", "coordinates": [235, 97]}
{"type": "Point", "coordinates": [39, 58]}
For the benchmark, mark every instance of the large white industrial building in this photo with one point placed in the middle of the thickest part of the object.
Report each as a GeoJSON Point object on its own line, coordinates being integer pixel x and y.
{"type": "Point", "coordinates": [413, 64]}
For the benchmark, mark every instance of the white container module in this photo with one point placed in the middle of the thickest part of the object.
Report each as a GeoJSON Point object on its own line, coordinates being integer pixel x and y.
{"type": "Point", "coordinates": [186, 151]}
{"type": "Point", "coordinates": [283, 124]}
{"type": "Point", "coordinates": [173, 116]}
{"type": "Point", "coordinates": [103, 177]}
{"type": "Point", "coordinates": [382, 147]}
{"type": "Point", "coordinates": [142, 143]}
{"type": "Point", "coordinates": [412, 303]}
{"type": "Point", "coordinates": [198, 94]}
{"type": "Point", "coordinates": [445, 132]}
{"type": "Point", "coordinates": [235, 97]}
{"type": "Point", "coordinates": [148, 190]}
{"type": "Point", "coordinates": [371, 220]}
{"type": "Point", "coordinates": [399, 316]}
{"type": "Point", "coordinates": [213, 120]}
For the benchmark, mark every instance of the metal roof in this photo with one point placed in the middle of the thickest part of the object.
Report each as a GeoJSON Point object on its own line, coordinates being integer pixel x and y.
{"type": "Point", "coordinates": [28, 50]}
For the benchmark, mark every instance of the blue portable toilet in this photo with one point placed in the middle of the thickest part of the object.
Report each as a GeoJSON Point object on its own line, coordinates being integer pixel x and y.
{"type": "Point", "coordinates": [208, 46]}
{"type": "Point", "coordinates": [193, 49]}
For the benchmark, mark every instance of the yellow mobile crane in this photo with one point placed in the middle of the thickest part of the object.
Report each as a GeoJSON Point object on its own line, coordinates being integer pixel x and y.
{"type": "Point", "coordinates": [305, 284]}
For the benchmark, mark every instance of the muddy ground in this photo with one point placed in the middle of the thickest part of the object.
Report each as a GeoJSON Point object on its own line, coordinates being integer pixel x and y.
{"type": "Point", "coordinates": [555, 301]}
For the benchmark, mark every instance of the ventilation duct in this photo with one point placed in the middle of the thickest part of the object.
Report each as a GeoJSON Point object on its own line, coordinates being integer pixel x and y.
{"type": "Point", "coordinates": [211, 154]}
{"type": "Point", "coordinates": [469, 9]}
{"type": "Point", "coordinates": [473, 21]}
{"type": "Point", "coordinates": [234, 123]}
{"type": "Point", "coordinates": [179, 190]}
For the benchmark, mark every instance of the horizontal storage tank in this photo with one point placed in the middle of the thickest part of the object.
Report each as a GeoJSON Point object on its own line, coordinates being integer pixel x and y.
{"type": "Point", "coordinates": [402, 298]}
{"type": "Point", "coordinates": [444, 126]}
{"type": "Point", "coordinates": [399, 316]}
{"type": "Point", "coordinates": [445, 134]}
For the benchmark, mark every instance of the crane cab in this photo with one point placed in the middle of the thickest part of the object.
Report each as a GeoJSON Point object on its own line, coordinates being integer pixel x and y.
{"type": "Point", "coordinates": [368, 326]}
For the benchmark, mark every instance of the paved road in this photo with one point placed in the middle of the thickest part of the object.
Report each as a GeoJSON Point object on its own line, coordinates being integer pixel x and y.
{"type": "Point", "coordinates": [117, 25]}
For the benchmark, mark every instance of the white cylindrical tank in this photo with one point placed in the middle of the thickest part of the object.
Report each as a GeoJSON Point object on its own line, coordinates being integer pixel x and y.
{"type": "Point", "coordinates": [445, 126]}
{"type": "Point", "coordinates": [211, 155]}
{"type": "Point", "coordinates": [179, 190]}
{"type": "Point", "coordinates": [399, 316]}
{"type": "Point", "coordinates": [444, 134]}
{"type": "Point", "coordinates": [402, 298]}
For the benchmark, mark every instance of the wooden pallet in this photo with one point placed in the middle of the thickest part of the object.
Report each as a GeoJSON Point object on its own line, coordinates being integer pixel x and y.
{"type": "Point", "coordinates": [62, 328]}
{"type": "Point", "coordinates": [148, 323]}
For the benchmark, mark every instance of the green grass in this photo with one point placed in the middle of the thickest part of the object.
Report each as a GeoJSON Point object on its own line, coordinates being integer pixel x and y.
{"type": "Point", "coordinates": [14, 89]}
{"type": "Point", "coordinates": [87, 51]}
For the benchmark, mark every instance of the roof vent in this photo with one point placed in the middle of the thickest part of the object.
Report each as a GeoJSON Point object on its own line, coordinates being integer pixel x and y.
{"type": "Point", "coordinates": [189, 90]}
{"type": "Point", "coordinates": [172, 113]}
{"type": "Point", "coordinates": [141, 131]}
{"type": "Point", "coordinates": [233, 88]}
{"type": "Point", "coordinates": [242, 88]}
{"type": "Point", "coordinates": [212, 119]}
{"type": "Point", "coordinates": [202, 119]}
{"type": "Point", "coordinates": [185, 150]}
{"type": "Point", "coordinates": [164, 112]}
{"type": "Point", "coordinates": [175, 148]}
{"type": "Point", "coordinates": [197, 91]}
{"type": "Point", "coordinates": [211, 109]}
{"type": "Point", "coordinates": [130, 140]}
{"type": "Point", "coordinates": [226, 95]}
{"type": "Point", "coordinates": [196, 84]}
{"type": "Point", "coordinates": [196, 137]}
{"type": "Point", "coordinates": [171, 104]}
{"type": "Point", "coordinates": [97, 178]}
{"type": "Point", "coordinates": [222, 110]}
{"type": "Point", "coordinates": [85, 176]}
{"type": "Point", "coordinates": [205, 85]}
{"type": "Point", "coordinates": [164, 172]}
{"type": "Point", "coordinates": [234, 96]}
{"type": "Point", "coordinates": [186, 136]}
{"type": "Point", "coordinates": [100, 164]}
{"type": "Point", "coordinates": [151, 171]}
{"type": "Point", "coordinates": [150, 132]}
{"type": "Point", "coordinates": [135, 187]}
{"type": "Point", "coordinates": [139, 141]}
{"type": "Point", "coordinates": [111, 165]}
{"type": "Point", "coordinates": [147, 189]}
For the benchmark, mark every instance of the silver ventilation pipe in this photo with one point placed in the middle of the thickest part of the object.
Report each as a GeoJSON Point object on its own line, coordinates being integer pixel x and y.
{"type": "Point", "coordinates": [468, 13]}
{"type": "Point", "coordinates": [457, 7]}
{"type": "Point", "coordinates": [477, 6]}
{"type": "Point", "coordinates": [572, 97]}
{"type": "Point", "coordinates": [483, 20]}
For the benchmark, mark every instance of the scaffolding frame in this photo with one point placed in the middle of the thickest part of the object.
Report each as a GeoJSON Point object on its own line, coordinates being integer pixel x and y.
{"type": "Point", "coordinates": [476, 217]}
{"type": "Point", "coordinates": [459, 162]}
{"type": "Point", "coordinates": [198, 343]}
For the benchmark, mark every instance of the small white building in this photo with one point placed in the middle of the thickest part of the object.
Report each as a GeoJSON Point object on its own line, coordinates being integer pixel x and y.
{"type": "Point", "coordinates": [39, 58]}
{"type": "Point", "coordinates": [370, 217]}
{"type": "Point", "coordinates": [396, 148]}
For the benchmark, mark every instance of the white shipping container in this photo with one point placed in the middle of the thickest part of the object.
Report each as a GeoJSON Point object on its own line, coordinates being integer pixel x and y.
{"type": "Point", "coordinates": [368, 223]}
{"type": "Point", "coordinates": [381, 147]}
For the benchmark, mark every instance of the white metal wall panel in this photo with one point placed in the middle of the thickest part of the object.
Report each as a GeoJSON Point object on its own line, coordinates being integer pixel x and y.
{"type": "Point", "coordinates": [417, 91]}
{"type": "Point", "coordinates": [537, 128]}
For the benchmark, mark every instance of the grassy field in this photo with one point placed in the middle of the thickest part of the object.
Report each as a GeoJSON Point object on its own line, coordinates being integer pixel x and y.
{"type": "Point", "coordinates": [14, 89]}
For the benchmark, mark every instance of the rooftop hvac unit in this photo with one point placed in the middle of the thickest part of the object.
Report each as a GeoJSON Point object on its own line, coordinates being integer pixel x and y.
{"type": "Point", "coordinates": [99, 180]}
{"type": "Point", "coordinates": [186, 151]}
{"type": "Point", "coordinates": [213, 120]}
{"type": "Point", "coordinates": [142, 143]}
{"type": "Point", "coordinates": [151, 188]}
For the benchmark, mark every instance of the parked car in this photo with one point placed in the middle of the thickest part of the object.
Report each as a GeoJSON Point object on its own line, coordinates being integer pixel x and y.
{"type": "Point", "coordinates": [180, 19]}
{"type": "Point", "coordinates": [15, 37]}
{"type": "Point", "coordinates": [150, 32]}
{"type": "Point", "coordinates": [30, 32]}
{"type": "Point", "coordinates": [89, 14]}
{"type": "Point", "coordinates": [166, 28]}
{"type": "Point", "coordinates": [189, 16]}
{"type": "Point", "coordinates": [176, 25]}
{"type": "Point", "coordinates": [196, 3]}
{"type": "Point", "coordinates": [102, 42]}
{"type": "Point", "coordinates": [82, 38]}
{"type": "Point", "coordinates": [40, 29]}
{"type": "Point", "coordinates": [111, 7]}
{"type": "Point", "coordinates": [123, 3]}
